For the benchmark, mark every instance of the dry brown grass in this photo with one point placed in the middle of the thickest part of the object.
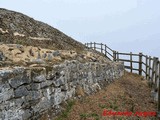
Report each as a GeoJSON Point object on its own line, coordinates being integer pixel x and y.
{"type": "Point", "coordinates": [128, 93]}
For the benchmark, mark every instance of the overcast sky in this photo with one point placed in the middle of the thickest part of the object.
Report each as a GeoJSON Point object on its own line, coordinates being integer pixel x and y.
{"type": "Point", "coordinates": [124, 25]}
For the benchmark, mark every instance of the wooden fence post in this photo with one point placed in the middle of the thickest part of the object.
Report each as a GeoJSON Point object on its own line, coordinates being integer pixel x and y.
{"type": "Point", "coordinates": [154, 73]}
{"type": "Point", "coordinates": [101, 48]}
{"type": "Point", "coordinates": [149, 72]}
{"type": "Point", "coordinates": [114, 55]}
{"type": "Point", "coordinates": [158, 114]}
{"type": "Point", "coordinates": [159, 71]}
{"type": "Point", "coordinates": [140, 63]}
{"type": "Point", "coordinates": [131, 65]}
{"type": "Point", "coordinates": [146, 67]}
{"type": "Point", "coordinates": [117, 57]}
{"type": "Point", "coordinates": [105, 50]}
{"type": "Point", "coordinates": [94, 46]}
{"type": "Point", "coordinates": [91, 45]}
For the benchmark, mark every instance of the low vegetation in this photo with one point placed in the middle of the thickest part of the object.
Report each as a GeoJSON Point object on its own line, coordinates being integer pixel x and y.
{"type": "Point", "coordinates": [66, 112]}
{"type": "Point", "coordinates": [129, 93]}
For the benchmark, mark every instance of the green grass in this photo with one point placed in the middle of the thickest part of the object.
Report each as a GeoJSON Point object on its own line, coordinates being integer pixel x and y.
{"type": "Point", "coordinates": [67, 110]}
{"type": "Point", "coordinates": [112, 104]}
{"type": "Point", "coordinates": [102, 106]}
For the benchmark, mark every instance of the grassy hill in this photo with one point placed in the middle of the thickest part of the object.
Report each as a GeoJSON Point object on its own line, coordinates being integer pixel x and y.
{"type": "Point", "coordinates": [19, 28]}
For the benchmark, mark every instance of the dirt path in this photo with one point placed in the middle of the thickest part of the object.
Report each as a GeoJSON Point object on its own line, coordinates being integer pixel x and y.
{"type": "Point", "coordinates": [129, 93]}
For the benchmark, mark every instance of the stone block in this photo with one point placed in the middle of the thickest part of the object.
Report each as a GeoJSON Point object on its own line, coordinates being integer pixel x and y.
{"type": "Point", "coordinates": [43, 105]}
{"type": "Point", "coordinates": [39, 78]}
{"type": "Point", "coordinates": [33, 95]}
{"type": "Point", "coordinates": [35, 86]}
{"type": "Point", "coordinates": [4, 87]}
{"type": "Point", "coordinates": [46, 83]}
{"type": "Point", "coordinates": [21, 91]}
{"type": "Point", "coordinates": [27, 114]}
{"type": "Point", "coordinates": [19, 80]}
{"type": "Point", "coordinates": [6, 95]}
{"type": "Point", "coordinates": [60, 81]}
{"type": "Point", "coordinates": [47, 92]}
{"type": "Point", "coordinates": [56, 53]}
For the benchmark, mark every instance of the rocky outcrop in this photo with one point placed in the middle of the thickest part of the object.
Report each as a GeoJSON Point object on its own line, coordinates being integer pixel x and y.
{"type": "Point", "coordinates": [28, 93]}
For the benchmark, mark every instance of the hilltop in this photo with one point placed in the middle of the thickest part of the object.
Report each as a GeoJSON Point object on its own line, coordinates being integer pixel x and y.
{"type": "Point", "coordinates": [28, 42]}
{"type": "Point", "coordinates": [18, 28]}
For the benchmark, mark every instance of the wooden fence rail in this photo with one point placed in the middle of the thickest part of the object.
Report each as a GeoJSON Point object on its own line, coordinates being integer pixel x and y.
{"type": "Point", "coordinates": [146, 65]}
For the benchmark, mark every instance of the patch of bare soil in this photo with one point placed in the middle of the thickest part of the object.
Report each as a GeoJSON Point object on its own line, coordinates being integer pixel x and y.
{"type": "Point", "coordinates": [129, 93]}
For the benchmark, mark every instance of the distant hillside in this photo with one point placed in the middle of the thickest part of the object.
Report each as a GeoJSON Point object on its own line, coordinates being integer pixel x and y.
{"type": "Point", "coordinates": [21, 29]}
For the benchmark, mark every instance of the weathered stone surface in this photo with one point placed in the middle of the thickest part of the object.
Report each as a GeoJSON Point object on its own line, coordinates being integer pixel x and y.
{"type": "Point", "coordinates": [2, 117]}
{"type": "Point", "coordinates": [38, 61]}
{"type": "Point", "coordinates": [19, 80]}
{"type": "Point", "coordinates": [19, 102]}
{"type": "Point", "coordinates": [21, 91]}
{"type": "Point", "coordinates": [27, 114]}
{"type": "Point", "coordinates": [39, 78]}
{"type": "Point", "coordinates": [46, 84]}
{"type": "Point", "coordinates": [13, 114]}
{"type": "Point", "coordinates": [49, 75]}
{"type": "Point", "coordinates": [47, 92]}
{"type": "Point", "coordinates": [65, 87]}
{"type": "Point", "coordinates": [60, 81]}
{"type": "Point", "coordinates": [4, 74]}
{"type": "Point", "coordinates": [57, 97]}
{"type": "Point", "coordinates": [56, 53]}
{"type": "Point", "coordinates": [30, 95]}
{"type": "Point", "coordinates": [33, 95]}
{"type": "Point", "coordinates": [6, 95]}
{"type": "Point", "coordinates": [49, 57]}
{"type": "Point", "coordinates": [35, 86]}
{"type": "Point", "coordinates": [18, 70]}
{"type": "Point", "coordinates": [4, 87]}
{"type": "Point", "coordinates": [70, 93]}
{"type": "Point", "coordinates": [43, 105]}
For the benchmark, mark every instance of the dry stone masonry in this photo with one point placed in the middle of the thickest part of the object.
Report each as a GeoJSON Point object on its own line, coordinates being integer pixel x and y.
{"type": "Point", "coordinates": [28, 93]}
{"type": "Point", "coordinates": [41, 68]}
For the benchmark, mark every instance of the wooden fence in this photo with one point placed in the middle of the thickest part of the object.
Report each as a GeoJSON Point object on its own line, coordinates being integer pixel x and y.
{"type": "Point", "coordinates": [145, 65]}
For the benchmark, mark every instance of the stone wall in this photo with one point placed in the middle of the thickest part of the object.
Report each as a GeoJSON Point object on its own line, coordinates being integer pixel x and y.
{"type": "Point", "coordinates": [28, 93]}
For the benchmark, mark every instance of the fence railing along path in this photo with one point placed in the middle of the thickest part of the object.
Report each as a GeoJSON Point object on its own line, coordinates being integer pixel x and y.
{"type": "Point", "coordinates": [145, 65]}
